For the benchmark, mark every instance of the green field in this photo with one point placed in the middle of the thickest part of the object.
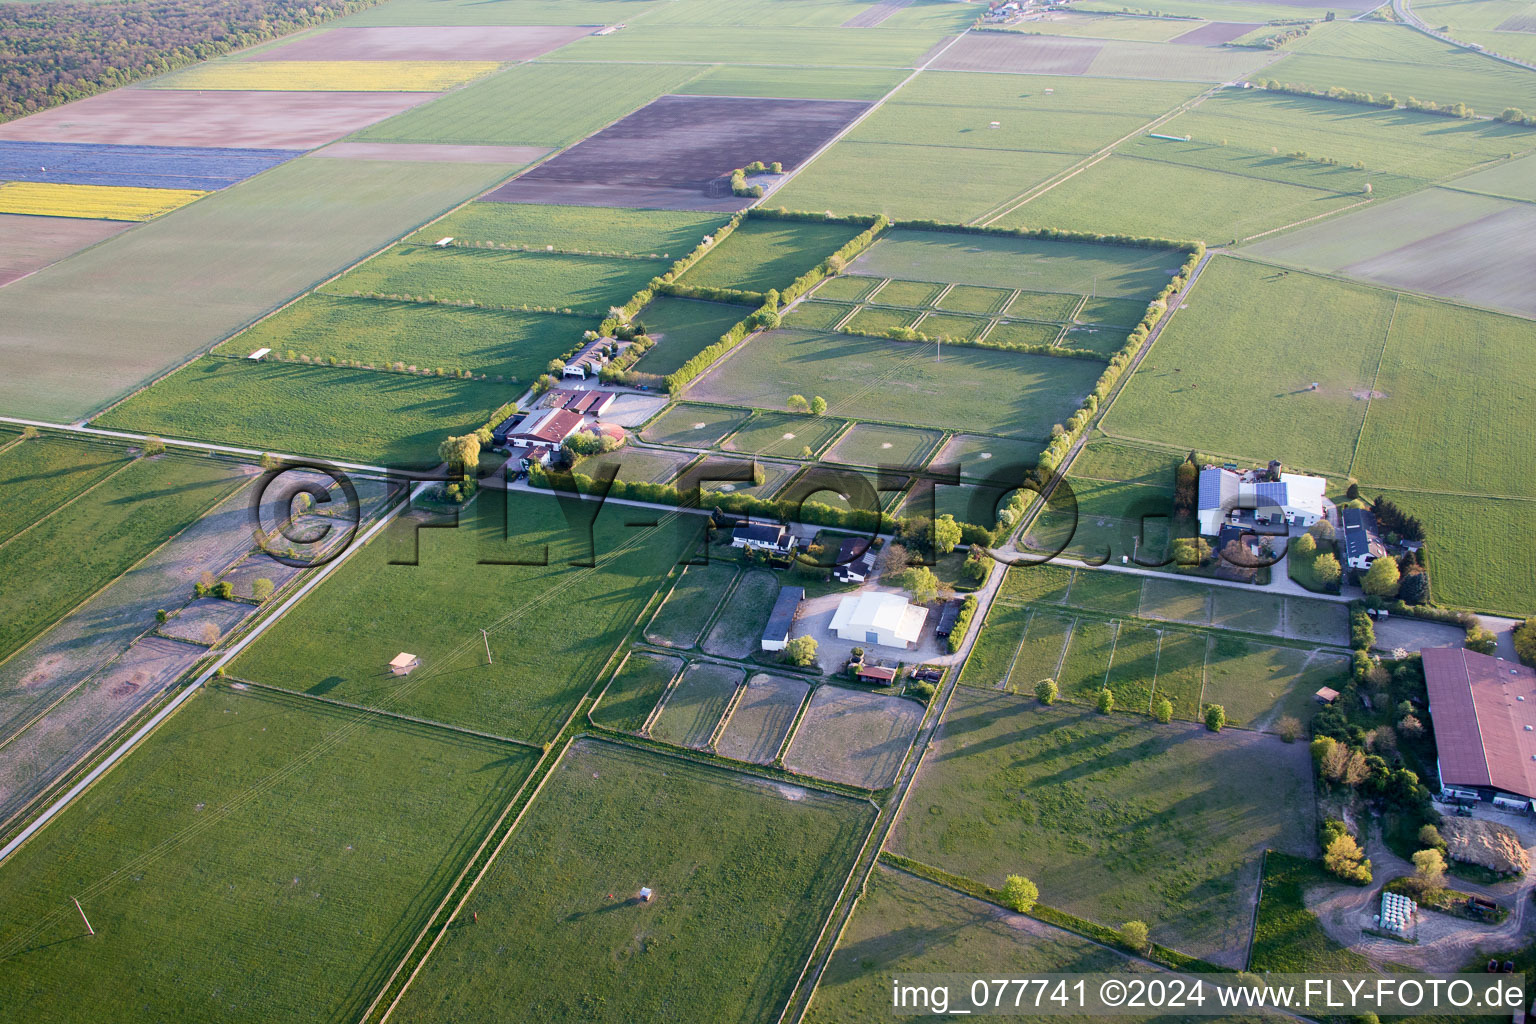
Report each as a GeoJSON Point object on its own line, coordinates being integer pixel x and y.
{"type": "Point", "coordinates": [1010, 334]}
{"type": "Point", "coordinates": [816, 316]}
{"type": "Point", "coordinates": [845, 288]}
{"type": "Point", "coordinates": [783, 434]}
{"type": "Point", "coordinates": [468, 579]}
{"type": "Point", "coordinates": [696, 705]}
{"type": "Point", "coordinates": [379, 332]}
{"type": "Point", "coordinates": [655, 41]}
{"type": "Point", "coordinates": [964, 298]}
{"type": "Point", "coordinates": [1054, 307]}
{"type": "Point", "coordinates": [990, 658]}
{"type": "Point", "coordinates": [358, 415]}
{"type": "Point", "coordinates": [682, 329]}
{"type": "Point", "coordinates": [1181, 672]}
{"type": "Point", "coordinates": [575, 100]}
{"type": "Point", "coordinates": [1086, 665]}
{"type": "Point", "coordinates": [764, 254]}
{"type": "Point", "coordinates": [67, 557]}
{"type": "Point", "coordinates": [795, 83]}
{"type": "Point", "coordinates": [873, 444]}
{"type": "Point", "coordinates": [637, 465]}
{"type": "Point", "coordinates": [952, 326]}
{"type": "Point", "coordinates": [971, 389]}
{"type": "Point", "coordinates": [40, 474]}
{"type": "Point", "coordinates": [1257, 684]}
{"type": "Point", "coordinates": [1469, 552]}
{"type": "Point", "coordinates": [915, 294]}
{"type": "Point", "coordinates": [663, 233]}
{"type": "Point", "coordinates": [738, 630]}
{"type": "Point", "coordinates": [680, 621]}
{"type": "Point", "coordinates": [1114, 817]}
{"type": "Point", "coordinates": [499, 277]}
{"type": "Point", "coordinates": [1287, 330]}
{"type": "Point", "coordinates": [634, 691]}
{"type": "Point", "coordinates": [1151, 197]}
{"type": "Point", "coordinates": [876, 320]}
{"type": "Point", "coordinates": [251, 825]}
{"type": "Point", "coordinates": [476, 12]}
{"type": "Point", "coordinates": [743, 873]}
{"type": "Point", "coordinates": [113, 317]}
{"type": "Point", "coordinates": [998, 261]}
{"type": "Point", "coordinates": [694, 426]}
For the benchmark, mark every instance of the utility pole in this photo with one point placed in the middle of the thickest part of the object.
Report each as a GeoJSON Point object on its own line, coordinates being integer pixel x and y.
{"type": "Point", "coordinates": [83, 917]}
{"type": "Point", "coordinates": [487, 638]}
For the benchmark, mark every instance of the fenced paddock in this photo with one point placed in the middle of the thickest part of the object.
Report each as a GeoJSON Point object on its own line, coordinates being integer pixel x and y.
{"type": "Point", "coordinates": [854, 736]}
{"type": "Point", "coordinates": [693, 708]}
{"type": "Point", "coordinates": [762, 718]}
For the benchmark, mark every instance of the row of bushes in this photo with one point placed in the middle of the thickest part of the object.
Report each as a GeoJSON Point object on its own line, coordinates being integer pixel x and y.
{"type": "Point", "coordinates": [766, 315]}
{"type": "Point", "coordinates": [707, 293]}
{"type": "Point", "coordinates": [1275, 40]}
{"type": "Point", "coordinates": [739, 186]}
{"type": "Point", "coordinates": [962, 623]}
{"type": "Point", "coordinates": [1385, 101]}
{"type": "Point", "coordinates": [834, 263]}
{"type": "Point", "coordinates": [912, 334]}
{"type": "Point", "coordinates": [1514, 115]}
{"type": "Point", "coordinates": [1045, 234]}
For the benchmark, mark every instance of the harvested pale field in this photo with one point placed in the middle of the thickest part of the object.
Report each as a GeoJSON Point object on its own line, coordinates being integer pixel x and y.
{"type": "Point", "coordinates": [327, 76]}
{"type": "Point", "coordinates": [500, 43]}
{"type": "Point", "coordinates": [28, 244]}
{"type": "Point", "coordinates": [1110, 58]}
{"type": "Point", "coordinates": [106, 321]}
{"type": "Point", "coordinates": [738, 632]}
{"type": "Point", "coordinates": [1513, 180]}
{"type": "Point", "coordinates": [428, 153]}
{"type": "Point", "coordinates": [206, 620]}
{"type": "Point", "coordinates": [91, 202]}
{"type": "Point", "coordinates": [1474, 248]}
{"type": "Point", "coordinates": [248, 120]}
{"type": "Point", "coordinates": [854, 737]}
{"type": "Point", "coordinates": [762, 718]}
{"type": "Point", "coordinates": [694, 706]}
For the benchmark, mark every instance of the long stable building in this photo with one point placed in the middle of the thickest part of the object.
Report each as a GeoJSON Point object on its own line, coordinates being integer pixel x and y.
{"type": "Point", "coordinates": [1484, 711]}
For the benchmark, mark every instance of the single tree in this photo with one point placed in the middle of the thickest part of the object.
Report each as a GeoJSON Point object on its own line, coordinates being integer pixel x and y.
{"type": "Point", "coordinates": [1215, 717]}
{"type": "Point", "coordinates": [1020, 894]}
{"type": "Point", "coordinates": [893, 561]}
{"type": "Point", "coordinates": [946, 534]}
{"type": "Point", "coordinates": [1162, 710]}
{"type": "Point", "coordinates": [818, 406]}
{"type": "Point", "coordinates": [1045, 691]}
{"type": "Point", "coordinates": [462, 454]}
{"type": "Point", "coordinates": [1135, 937]}
{"type": "Point", "coordinates": [1429, 869]}
{"type": "Point", "coordinates": [1289, 728]}
{"type": "Point", "coordinates": [797, 403]}
{"type": "Point", "coordinates": [1304, 547]}
{"type": "Point", "coordinates": [1414, 588]}
{"type": "Point", "coordinates": [1327, 570]}
{"type": "Point", "coordinates": [924, 585]}
{"type": "Point", "coordinates": [1344, 858]}
{"type": "Point", "coordinates": [1482, 640]}
{"type": "Point", "coordinates": [224, 590]}
{"type": "Point", "coordinates": [1382, 578]}
{"type": "Point", "coordinates": [1430, 838]}
{"type": "Point", "coordinates": [1106, 701]}
{"type": "Point", "coordinates": [1525, 641]}
{"type": "Point", "coordinates": [1356, 769]}
{"type": "Point", "coordinates": [800, 651]}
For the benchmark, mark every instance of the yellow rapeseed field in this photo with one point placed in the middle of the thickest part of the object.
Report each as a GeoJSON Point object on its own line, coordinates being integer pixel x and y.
{"type": "Point", "coordinates": [333, 75]}
{"type": "Point", "coordinates": [96, 202]}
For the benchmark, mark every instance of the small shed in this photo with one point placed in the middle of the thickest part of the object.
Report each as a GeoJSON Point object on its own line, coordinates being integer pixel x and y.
{"type": "Point", "coordinates": [1327, 695]}
{"type": "Point", "coordinates": [404, 664]}
{"type": "Point", "coordinates": [259, 355]}
{"type": "Point", "coordinates": [443, 243]}
{"type": "Point", "coordinates": [645, 893]}
{"type": "Point", "coordinates": [878, 674]}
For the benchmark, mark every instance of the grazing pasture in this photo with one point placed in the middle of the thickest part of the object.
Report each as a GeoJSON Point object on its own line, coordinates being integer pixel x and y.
{"type": "Point", "coordinates": [694, 426]}
{"type": "Point", "coordinates": [965, 298]}
{"type": "Point", "coordinates": [980, 456]}
{"type": "Point", "coordinates": [846, 288]}
{"type": "Point", "coordinates": [163, 167]}
{"type": "Point", "coordinates": [762, 718]}
{"type": "Point", "coordinates": [1113, 816]}
{"type": "Point", "coordinates": [1458, 245]}
{"type": "Point", "coordinates": [575, 100]}
{"type": "Point", "coordinates": [738, 631]}
{"type": "Point", "coordinates": [66, 557]}
{"type": "Point", "coordinates": [378, 332]}
{"type": "Point", "coordinates": [425, 43]}
{"type": "Point", "coordinates": [95, 202]}
{"type": "Point", "coordinates": [668, 234]}
{"type": "Point", "coordinates": [1001, 262]}
{"type": "Point", "coordinates": [915, 294]}
{"type": "Point", "coordinates": [327, 75]}
{"type": "Point", "coordinates": [874, 444]}
{"type": "Point", "coordinates": [743, 870]}
{"type": "Point", "coordinates": [1290, 330]}
{"type": "Point", "coordinates": [632, 694]}
{"type": "Point", "coordinates": [1256, 684]}
{"type": "Point", "coordinates": [174, 117]}
{"type": "Point", "coordinates": [841, 47]}
{"type": "Point", "coordinates": [854, 736]}
{"type": "Point", "coordinates": [696, 704]}
{"type": "Point", "coordinates": [795, 83]}
{"type": "Point", "coordinates": [681, 619]}
{"type": "Point", "coordinates": [638, 465]}
{"type": "Point", "coordinates": [298, 223]}
{"type": "Point", "coordinates": [1471, 561]}
{"type": "Point", "coordinates": [764, 254]}
{"type": "Point", "coordinates": [1109, 58]}
{"type": "Point", "coordinates": [38, 475]}
{"type": "Point", "coordinates": [475, 576]}
{"type": "Point", "coordinates": [501, 277]}
{"type": "Point", "coordinates": [876, 320]}
{"type": "Point", "coordinates": [783, 434]}
{"type": "Point", "coordinates": [255, 859]}
{"type": "Point", "coordinates": [376, 418]}
{"type": "Point", "coordinates": [947, 325]}
{"type": "Point", "coordinates": [811, 315]}
{"type": "Point", "coordinates": [971, 389]}
{"type": "Point", "coordinates": [677, 152]}
{"type": "Point", "coordinates": [28, 244]}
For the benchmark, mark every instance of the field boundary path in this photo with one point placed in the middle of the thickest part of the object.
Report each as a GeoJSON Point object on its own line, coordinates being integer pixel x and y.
{"type": "Point", "coordinates": [1404, 12]}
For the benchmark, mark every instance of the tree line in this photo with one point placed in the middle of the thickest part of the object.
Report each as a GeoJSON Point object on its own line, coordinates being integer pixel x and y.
{"type": "Point", "coordinates": [51, 53]}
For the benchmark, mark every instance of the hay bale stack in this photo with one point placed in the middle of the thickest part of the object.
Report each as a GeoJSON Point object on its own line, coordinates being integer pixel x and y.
{"type": "Point", "coordinates": [1485, 843]}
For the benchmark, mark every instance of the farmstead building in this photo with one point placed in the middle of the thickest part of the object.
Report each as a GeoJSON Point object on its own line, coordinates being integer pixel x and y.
{"type": "Point", "coordinates": [1267, 496]}
{"type": "Point", "coordinates": [888, 620]}
{"type": "Point", "coordinates": [1484, 710]}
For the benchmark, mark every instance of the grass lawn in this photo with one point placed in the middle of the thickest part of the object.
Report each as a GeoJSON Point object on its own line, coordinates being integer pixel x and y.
{"type": "Point", "coordinates": [321, 829]}
{"type": "Point", "coordinates": [575, 101]}
{"type": "Point", "coordinates": [1176, 600]}
{"type": "Point", "coordinates": [915, 294]}
{"type": "Point", "coordinates": [1125, 313]}
{"type": "Point", "coordinates": [1181, 672]}
{"type": "Point", "coordinates": [994, 261]}
{"type": "Point", "coordinates": [1134, 667]}
{"type": "Point", "coordinates": [70, 555]}
{"type": "Point", "coordinates": [682, 328]}
{"type": "Point", "coordinates": [1257, 684]}
{"type": "Point", "coordinates": [946, 325]}
{"type": "Point", "coordinates": [681, 619]}
{"type": "Point", "coordinates": [466, 579]}
{"type": "Point", "coordinates": [1114, 817]}
{"type": "Point", "coordinates": [874, 444]}
{"type": "Point", "coordinates": [785, 434]}
{"type": "Point", "coordinates": [1252, 611]}
{"type": "Point", "coordinates": [1111, 593]}
{"type": "Point", "coordinates": [983, 457]}
{"type": "Point", "coordinates": [1086, 665]}
{"type": "Point", "coordinates": [739, 629]}
{"type": "Point", "coordinates": [992, 655]}
{"type": "Point", "coordinates": [663, 233]}
{"type": "Point", "coordinates": [744, 873]}
{"type": "Point", "coordinates": [906, 925]}
{"type": "Point", "coordinates": [1029, 583]}
{"type": "Point", "coordinates": [1008, 334]}
{"type": "Point", "coordinates": [845, 288]}
{"type": "Point", "coordinates": [694, 426]}
{"type": "Point", "coordinates": [876, 320]}
{"type": "Point", "coordinates": [634, 690]}
{"type": "Point", "coordinates": [1040, 654]}
{"type": "Point", "coordinates": [966, 298]}
{"type": "Point", "coordinates": [1288, 936]}
{"type": "Point", "coordinates": [379, 332]}
{"type": "Point", "coordinates": [637, 465]}
{"type": "Point", "coordinates": [764, 254]}
{"type": "Point", "coordinates": [970, 389]}
{"type": "Point", "coordinates": [817, 316]}
{"type": "Point", "coordinates": [762, 718]}
{"type": "Point", "coordinates": [376, 418]}
{"type": "Point", "coordinates": [502, 277]}
{"type": "Point", "coordinates": [1289, 330]}
{"type": "Point", "coordinates": [696, 704]}
{"type": "Point", "coordinates": [1149, 197]}
{"type": "Point", "coordinates": [40, 474]}
{"type": "Point", "coordinates": [1056, 307]}
{"type": "Point", "coordinates": [1323, 621]}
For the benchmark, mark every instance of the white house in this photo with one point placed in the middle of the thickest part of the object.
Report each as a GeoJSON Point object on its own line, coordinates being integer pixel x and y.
{"type": "Point", "coordinates": [1362, 539]}
{"type": "Point", "coordinates": [888, 620]}
{"type": "Point", "coordinates": [774, 537]}
{"type": "Point", "coordinates": [1225, 495]}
